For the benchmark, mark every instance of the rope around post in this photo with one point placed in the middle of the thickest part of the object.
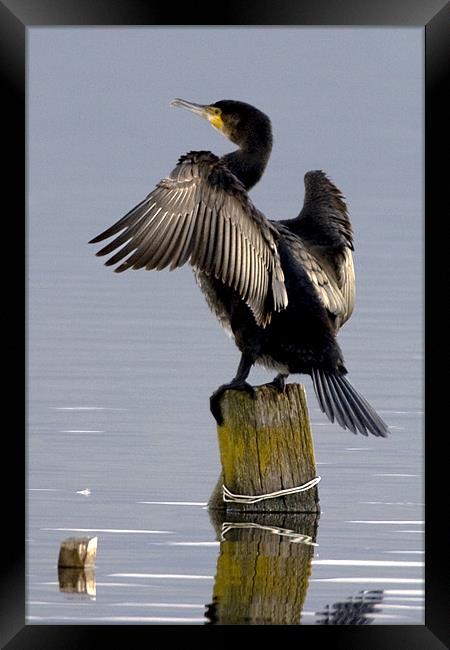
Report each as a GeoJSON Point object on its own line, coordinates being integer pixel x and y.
{"type": "Point", "coordinates": [249, 499]}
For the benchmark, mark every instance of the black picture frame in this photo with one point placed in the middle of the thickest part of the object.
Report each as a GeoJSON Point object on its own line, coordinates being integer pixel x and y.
{"type": "Point", "coordinates": [18, 15]}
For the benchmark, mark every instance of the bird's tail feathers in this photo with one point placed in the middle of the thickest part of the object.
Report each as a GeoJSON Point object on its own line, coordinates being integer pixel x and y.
{"type": "Point", "coordinates": [339, 400]}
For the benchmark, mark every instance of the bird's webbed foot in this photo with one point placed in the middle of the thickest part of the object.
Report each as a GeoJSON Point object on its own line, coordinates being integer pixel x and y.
{"type": "Point", "coordinates": [279, 383]}
{"type": "Point", "coordinates": [214, 400]}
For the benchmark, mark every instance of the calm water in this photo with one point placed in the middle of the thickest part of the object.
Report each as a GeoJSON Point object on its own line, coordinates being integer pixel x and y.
{"type": "Point", "coordinates": [121, 443]}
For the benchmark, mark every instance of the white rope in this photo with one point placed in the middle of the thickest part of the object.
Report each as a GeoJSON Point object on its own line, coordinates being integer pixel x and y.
{"type": "Point", "coordinates": [249, 499]}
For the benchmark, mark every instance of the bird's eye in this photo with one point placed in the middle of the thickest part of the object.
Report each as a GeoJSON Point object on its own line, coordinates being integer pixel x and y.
{"type": "Point", "coordinates": [216, 111]}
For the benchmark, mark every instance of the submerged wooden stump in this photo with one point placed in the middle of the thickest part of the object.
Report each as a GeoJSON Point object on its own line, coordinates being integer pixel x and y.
{"type": "Point", "coordinates": [77, 552]}
{"type": "Point", "coordinates": [265, 446]}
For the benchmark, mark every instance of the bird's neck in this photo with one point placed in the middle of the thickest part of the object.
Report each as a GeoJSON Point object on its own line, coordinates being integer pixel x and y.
{"type": "Point", "coordinates": [248, 163]}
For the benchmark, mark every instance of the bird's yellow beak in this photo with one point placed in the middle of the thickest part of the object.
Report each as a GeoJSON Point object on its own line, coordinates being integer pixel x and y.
{"type": "Point", "coordinates": [211, 113]}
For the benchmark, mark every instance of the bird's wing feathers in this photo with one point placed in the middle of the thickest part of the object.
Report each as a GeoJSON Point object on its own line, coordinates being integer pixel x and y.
{"type": "Point", "coordinates": [324, 217]}
{"type": "Point", "coordinates": [201, 214]}
{"type": "Point", "coordinates": [346, 281]}
{"type": "Point", "coordinates": [337, 267]}
{"type": "Point", "coordinates": [325, 227]}
{"type": "Point", "coordinates": [324, 244]}
{"type": "Point", "coordinates": [328, 291]}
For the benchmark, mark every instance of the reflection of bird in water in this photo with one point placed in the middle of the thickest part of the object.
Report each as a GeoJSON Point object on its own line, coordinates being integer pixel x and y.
{"type": "Point", "coordinates": [352, 612]}
{"type": "Point", "coordinates": [282, 288]}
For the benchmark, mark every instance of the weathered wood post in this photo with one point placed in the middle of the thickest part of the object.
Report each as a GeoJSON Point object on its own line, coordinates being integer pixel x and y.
{"type": "Point", "coordinates": [77, 552]}
{"type": "Point", "coordinates": [266, 446]}
{"type": "Point", "coordinates": [263, 567]}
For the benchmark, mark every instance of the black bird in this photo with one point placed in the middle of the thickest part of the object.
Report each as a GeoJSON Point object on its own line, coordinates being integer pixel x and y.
{"type": "Point", "coordinates": [283, 289]}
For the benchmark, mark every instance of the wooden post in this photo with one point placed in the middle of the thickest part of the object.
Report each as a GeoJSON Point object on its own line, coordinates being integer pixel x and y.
{"type": "Point", "coordinates": [265, 446]}
{"type": "Point", "coordinates": [77, 552]}
{"type": "Point", "coordinates": [263, 567]}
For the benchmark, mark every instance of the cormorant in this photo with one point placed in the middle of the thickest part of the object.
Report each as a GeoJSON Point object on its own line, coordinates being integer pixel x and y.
{"type": "Point", "coordinates": [283, 289]}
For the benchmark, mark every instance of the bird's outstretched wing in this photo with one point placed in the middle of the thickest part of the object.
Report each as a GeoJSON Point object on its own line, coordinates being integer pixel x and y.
{"type": "Point", "coordinates": [324, 219]}
{"type": "Point", "coordinates": [326, 243]}
{"type": "Point", "coordinates": [320, 276]}
{"type": "Point", "coordinates": [202, 214]}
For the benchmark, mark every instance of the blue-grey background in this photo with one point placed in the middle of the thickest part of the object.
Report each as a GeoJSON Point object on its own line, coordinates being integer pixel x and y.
{"type": "Point", "coordinates": [120, 367]}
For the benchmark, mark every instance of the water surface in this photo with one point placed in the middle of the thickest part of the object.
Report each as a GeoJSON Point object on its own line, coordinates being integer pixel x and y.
{"type": "Point", "coordinates": [121, 443]}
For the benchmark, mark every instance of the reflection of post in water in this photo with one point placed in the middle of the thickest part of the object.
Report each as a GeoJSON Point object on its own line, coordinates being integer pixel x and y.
{"type": "Point", "coordinates": [263, 567]}
{"type": "Point", "coordinates": [354, 611]}
{"type": "Point", "coordinates": [77, 581]}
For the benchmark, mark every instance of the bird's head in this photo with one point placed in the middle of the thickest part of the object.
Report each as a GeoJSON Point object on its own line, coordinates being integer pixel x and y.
{"type": "Point", "coordinates": [241, 123]}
